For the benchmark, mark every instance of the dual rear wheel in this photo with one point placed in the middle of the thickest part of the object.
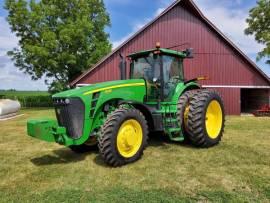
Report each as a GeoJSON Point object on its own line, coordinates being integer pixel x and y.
{"type": "Point", "coordinates": [201, 115]}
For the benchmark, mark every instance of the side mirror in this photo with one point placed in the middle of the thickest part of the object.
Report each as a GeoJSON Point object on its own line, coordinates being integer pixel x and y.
{"type": "Point", "coordinates": [189, 53]}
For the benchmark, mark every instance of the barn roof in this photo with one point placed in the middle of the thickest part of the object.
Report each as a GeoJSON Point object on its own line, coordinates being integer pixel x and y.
{"type": "Point", "coordinates": [195, 10]}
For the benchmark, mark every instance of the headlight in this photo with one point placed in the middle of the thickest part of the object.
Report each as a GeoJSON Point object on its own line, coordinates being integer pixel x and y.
{"type": "Point", "coordinates": [67, 101]}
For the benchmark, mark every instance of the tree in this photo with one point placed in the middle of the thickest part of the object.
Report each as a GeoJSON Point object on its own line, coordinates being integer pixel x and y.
{"type": "Point", "coordinates": [58, 39]}
{"type": "Point", "coordinates": [259, 25]}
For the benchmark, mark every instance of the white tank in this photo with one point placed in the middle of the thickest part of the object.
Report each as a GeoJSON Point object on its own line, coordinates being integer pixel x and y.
{"type": "Point", "coordinates": [8, 106]}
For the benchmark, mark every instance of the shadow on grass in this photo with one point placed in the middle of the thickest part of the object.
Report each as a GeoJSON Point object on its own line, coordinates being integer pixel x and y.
{"type": "Point", "coordinates": [156, 140]}
{"type": "Point", "coordinates": [65, 155]}
{"type": "Point", "coordinates": [99, 161]}
{"type": "Point", "coordinates": [159, 139]}
{"type": "Point", "coordinates": [61, 156]}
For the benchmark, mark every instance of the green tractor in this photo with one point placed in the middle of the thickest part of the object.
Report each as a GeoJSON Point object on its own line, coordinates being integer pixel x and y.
{"type": "Point", "coordinates": [118, 115]}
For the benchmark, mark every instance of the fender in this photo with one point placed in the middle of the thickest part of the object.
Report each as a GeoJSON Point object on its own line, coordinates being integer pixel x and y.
{"type": "Point", "coordinates": [153, 119]}
{"type": "Point", "coordinates": [182, 88]}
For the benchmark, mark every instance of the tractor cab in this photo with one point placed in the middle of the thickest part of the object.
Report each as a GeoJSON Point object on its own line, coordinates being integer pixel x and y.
{"type": "Point", "coordinates": [162, 70]}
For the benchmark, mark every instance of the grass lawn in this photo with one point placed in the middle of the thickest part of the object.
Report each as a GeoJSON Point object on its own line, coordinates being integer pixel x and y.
{"type": "Point", "coordinates": [237, 170]}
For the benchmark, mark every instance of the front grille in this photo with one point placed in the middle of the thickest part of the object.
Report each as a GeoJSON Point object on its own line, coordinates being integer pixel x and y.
{"type": "Point", "coordinates": [70, 114]}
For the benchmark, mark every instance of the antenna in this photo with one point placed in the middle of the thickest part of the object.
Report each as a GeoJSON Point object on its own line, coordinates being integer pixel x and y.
{"type": "Point", "coordinates": [186, 43]}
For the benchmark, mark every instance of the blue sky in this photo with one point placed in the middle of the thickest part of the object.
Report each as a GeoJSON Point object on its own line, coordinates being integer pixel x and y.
{"type": "Point", "coordinates": [127, 16]}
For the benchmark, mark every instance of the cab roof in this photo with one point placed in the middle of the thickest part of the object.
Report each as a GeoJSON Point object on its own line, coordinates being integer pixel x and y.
{"type": "Point", "coordinates": [170, 52]}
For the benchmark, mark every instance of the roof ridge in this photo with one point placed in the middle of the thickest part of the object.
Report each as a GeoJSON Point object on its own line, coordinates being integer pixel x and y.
{"type": "Point", "coordinates": [125, 42]}
{"type": "Point", "coordinates": [175, 3]}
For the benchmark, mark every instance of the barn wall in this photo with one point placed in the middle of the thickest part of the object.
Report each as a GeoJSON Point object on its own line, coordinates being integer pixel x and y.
{"type": "Point", "coordinates": [232, 100]}
{"type": "Point", "coordinates": [213, 56]}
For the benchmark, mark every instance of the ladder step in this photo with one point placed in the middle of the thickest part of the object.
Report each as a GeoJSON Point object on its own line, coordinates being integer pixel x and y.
{"type": "Point", "coordinates": [177, 139]}
{"type": "Point", "coordinates": [174, 130]}
{"type": "Point", "coordinates": [175, 134]}
{"type": "Point", "coordinates": [171, 119]}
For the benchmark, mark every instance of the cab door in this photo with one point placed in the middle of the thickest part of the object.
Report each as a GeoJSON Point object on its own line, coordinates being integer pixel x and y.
{"type": "Point", "coordinates": [149, 68]}
{"type": "Point", "coordinates": [172, 75]}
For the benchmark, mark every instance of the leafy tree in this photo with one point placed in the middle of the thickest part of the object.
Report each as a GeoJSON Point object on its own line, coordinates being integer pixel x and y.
{"type": "Point", "coordinates": [58, 39]}
{"type": "Point", "coordinates": [259, 25]}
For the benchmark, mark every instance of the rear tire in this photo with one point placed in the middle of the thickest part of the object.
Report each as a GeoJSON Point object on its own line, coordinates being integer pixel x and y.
{"type": "Point", "coordinates": [206, 118]}
{"type": "Point", "coordinates": [183, 110]}
{"type": "Point", "coordinates": [123, 137]}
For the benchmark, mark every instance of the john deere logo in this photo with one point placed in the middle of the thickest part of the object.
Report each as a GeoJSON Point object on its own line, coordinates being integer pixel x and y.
{"type": "Point", "coordinates": [108, 91]}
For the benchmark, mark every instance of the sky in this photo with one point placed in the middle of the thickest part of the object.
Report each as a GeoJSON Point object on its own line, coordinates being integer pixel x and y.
{"type": "Point", "coordinates": [127, 17]}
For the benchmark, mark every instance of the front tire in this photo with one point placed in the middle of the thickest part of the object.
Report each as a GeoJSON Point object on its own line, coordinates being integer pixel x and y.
{"type": "Point", "coordinates": [123, 137]}
{"type": "Point", "coordinates": [206, 118]}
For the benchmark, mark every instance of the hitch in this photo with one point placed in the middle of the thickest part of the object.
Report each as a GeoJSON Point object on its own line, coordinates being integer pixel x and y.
{"type": "Point", "coordinates": [49, 131]}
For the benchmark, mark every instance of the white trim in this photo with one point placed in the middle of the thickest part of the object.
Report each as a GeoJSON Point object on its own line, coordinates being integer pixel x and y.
{"type": "Point", "coordinates": [82, 85]}
{"type": "Point", "coordinates": [237, 86]}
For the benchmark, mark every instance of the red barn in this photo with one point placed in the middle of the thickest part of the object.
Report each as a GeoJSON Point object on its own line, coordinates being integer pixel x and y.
{"type": "Point", "coordinates": [243, 86]}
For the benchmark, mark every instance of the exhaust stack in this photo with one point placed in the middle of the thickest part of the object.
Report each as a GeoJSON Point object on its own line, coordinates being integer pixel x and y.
{"type": "Point", "coordinates": [122, 66]}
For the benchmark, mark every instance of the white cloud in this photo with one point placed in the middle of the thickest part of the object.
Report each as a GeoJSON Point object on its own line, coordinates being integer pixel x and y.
{"type": "Point", "coordinates": [138, 25]}
{"type": "Point", "coordinates": [7, 39]}
{"type": "Point", "coordinates": [10, 76]}
{"type": "Point", "coordinates": [232, 22]}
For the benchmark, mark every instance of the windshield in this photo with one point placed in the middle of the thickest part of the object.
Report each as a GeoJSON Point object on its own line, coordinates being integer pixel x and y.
{"type": "Point", "coordinates": [149, 68]}
{"type": "Point", "coordinates": [146, 67]}
{"type": "Point", "coordinates": [172, 68]}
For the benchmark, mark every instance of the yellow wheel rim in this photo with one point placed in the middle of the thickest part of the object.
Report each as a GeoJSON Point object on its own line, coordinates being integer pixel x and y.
{"type": "Point", "coordinates": [213, 119]}
{"type": "Point", "coordinates": [129, 138]}
{"type": "Point", "coordinates": [186, 116]}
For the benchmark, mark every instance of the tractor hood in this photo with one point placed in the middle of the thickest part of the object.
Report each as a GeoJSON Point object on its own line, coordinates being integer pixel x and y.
{"type": "Point", "coordinates": [99, 87]}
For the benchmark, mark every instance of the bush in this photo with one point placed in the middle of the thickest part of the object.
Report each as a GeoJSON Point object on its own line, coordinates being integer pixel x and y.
{"type": "Point", "coordinates": [32, 101]}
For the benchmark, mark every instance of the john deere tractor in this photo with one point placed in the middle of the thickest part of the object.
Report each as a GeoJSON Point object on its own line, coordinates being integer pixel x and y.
{"type": "Point", "coordinates": [118, 115]}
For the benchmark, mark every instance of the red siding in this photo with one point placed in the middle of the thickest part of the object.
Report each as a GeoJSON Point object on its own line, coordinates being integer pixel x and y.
{"type": "Point", "coordinates": [231, 98]}
{"type": "Point", "coordinates": [214, 57]}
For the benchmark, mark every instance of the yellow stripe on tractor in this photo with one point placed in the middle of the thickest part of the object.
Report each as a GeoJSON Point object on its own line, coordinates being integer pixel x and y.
{"type": "Point", "coordinates": [113, 87]}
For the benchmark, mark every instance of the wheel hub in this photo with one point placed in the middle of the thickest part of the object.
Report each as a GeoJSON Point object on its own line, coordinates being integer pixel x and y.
{"type": "Point", "coordinates": [213, 119]}
{"type": "Point", "coordinates": [129, 138]}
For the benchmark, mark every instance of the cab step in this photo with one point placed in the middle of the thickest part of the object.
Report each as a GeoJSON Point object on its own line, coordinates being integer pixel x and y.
{"type": "Point", "coordinates": [171, 120]}
{"type": "Point", "coordinates": [175, 134]}
{"type": "Point", "coordinates": [177, 139]}
{"type": "Point", "coordinates": [172, 130]}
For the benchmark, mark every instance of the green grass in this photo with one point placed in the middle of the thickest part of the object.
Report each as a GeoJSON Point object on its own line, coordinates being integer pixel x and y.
{"type": "Point", "coordinates": [23, 93]}
{"type": "Point", "coordinates": [237, 170]}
